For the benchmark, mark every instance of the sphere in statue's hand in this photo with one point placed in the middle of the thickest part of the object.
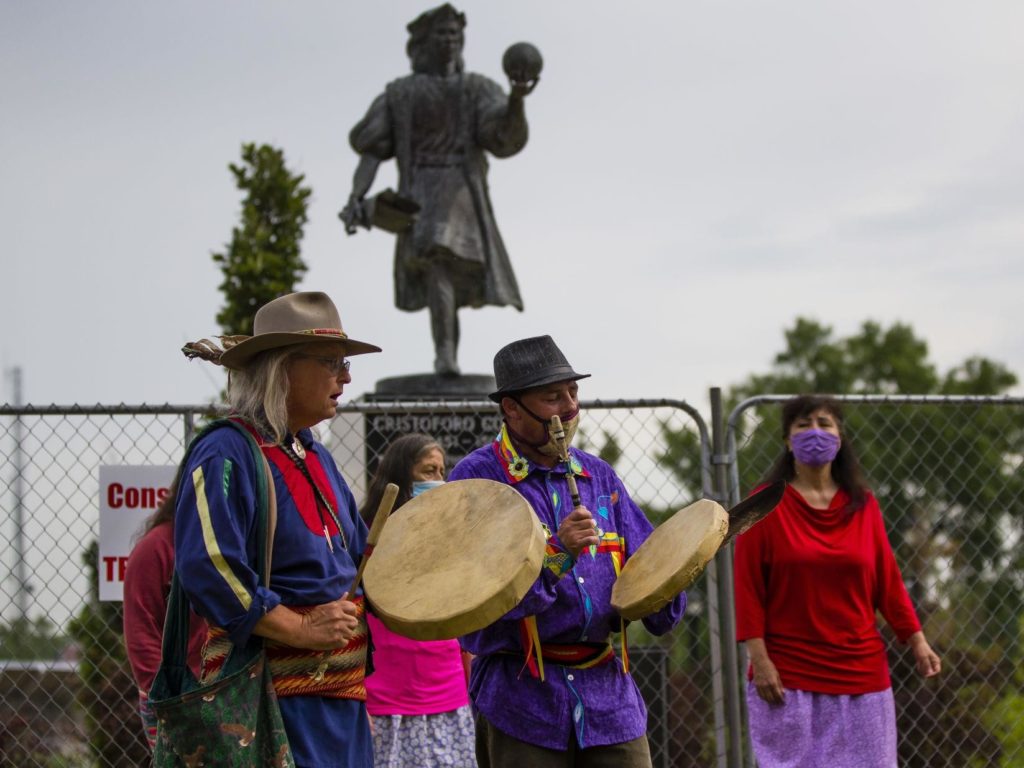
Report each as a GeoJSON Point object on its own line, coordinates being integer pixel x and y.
{"type": "Point", "coordinates": [522, 62]}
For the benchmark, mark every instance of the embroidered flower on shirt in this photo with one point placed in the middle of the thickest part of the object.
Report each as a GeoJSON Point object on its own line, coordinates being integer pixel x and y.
{"type": "Point", "coordinates": [518, 467]}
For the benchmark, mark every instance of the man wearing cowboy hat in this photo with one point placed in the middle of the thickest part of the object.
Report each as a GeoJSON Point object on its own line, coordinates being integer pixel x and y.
{"type": "Point", "coordinates": [285, 378]}
{"type": "Point", "coordinates": [577, 705]}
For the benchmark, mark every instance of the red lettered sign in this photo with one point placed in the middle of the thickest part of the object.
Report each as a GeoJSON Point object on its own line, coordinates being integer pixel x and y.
{"type": "Point", "coordinates": [128, 495]}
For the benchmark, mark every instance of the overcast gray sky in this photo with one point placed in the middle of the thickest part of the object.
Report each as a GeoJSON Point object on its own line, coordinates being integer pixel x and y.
{"type": "Point", "coordinates": [698, 174]}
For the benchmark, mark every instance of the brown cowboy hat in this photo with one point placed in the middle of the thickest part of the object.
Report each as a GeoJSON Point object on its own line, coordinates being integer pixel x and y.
{"type": "Point", "coordinates": [307, 317]}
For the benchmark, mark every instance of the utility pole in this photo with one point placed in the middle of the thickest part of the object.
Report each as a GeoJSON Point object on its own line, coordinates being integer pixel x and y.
{"type": "Point", "coordinates": [23, 587]}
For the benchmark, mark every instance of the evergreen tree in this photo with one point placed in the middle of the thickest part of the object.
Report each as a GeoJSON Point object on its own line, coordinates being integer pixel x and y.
{"type": "Point", "coordinates": [262, 261]}
{"type": "Point", "coordinates": [30, 639]}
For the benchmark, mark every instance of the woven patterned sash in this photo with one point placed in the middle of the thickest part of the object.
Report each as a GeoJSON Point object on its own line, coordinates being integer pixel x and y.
{"type": "Point", "coordinates": [335, 674]}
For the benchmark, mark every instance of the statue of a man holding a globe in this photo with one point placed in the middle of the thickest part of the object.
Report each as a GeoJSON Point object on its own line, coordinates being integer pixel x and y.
{"type": "Point", "coordinates": [439, 123]}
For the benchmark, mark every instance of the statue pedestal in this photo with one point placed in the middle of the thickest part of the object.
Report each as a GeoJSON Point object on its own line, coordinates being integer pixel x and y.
{"type": "Point", "coordinates": [454, 410]}
{"type": "Point", "coordinates": [430, 386]}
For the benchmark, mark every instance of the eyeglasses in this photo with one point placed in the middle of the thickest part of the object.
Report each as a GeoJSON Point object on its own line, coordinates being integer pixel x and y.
{"type": "Point", "coordinates": [336, 365]}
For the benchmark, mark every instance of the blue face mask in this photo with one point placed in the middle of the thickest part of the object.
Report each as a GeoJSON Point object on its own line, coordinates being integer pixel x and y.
{"type": "Point", "coordinates": [421, 486]}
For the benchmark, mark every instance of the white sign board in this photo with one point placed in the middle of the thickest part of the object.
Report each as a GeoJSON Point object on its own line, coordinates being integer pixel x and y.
{"type": "Point", "coordinates": [128, 495]}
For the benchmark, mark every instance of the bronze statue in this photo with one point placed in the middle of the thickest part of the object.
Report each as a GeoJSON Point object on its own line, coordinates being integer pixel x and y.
{"type": "Point", "coordinates": [439, 123]}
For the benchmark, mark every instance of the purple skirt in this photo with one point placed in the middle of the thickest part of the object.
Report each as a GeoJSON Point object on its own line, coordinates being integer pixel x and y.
{"type": "Point", "coordinates": [819, 730]}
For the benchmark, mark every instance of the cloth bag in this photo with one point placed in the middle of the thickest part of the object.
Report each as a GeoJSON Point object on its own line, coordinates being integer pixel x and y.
{"type": "Point", "coordinates": [233, 721]}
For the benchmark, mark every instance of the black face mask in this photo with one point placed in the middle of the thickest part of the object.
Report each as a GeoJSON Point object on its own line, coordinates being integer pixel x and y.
{"type": "Point", "coordinates": [549, 446]}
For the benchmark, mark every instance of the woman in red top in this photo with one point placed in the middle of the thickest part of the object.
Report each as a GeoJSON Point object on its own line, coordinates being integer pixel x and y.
{"type": "Point", "coordinates": [147, 584]}
{"type": "Point", "coordinates": [809, 579]}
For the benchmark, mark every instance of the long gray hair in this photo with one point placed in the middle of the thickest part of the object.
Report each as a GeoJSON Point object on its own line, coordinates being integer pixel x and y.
{"type": "Point", "coordinates": [259, 392]}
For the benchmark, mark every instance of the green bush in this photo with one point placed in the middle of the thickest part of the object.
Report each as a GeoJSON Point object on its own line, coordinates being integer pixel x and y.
{"type": "Point", "coordinates": [108, 694]}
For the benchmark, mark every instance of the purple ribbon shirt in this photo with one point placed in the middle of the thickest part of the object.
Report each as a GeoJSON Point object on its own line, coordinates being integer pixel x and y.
{"type": "Point", "coordinates": [571, 603]}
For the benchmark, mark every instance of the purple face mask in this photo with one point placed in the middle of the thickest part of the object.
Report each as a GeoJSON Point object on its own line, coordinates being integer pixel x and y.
{"type": "Point", "coordinates": [814, 447]}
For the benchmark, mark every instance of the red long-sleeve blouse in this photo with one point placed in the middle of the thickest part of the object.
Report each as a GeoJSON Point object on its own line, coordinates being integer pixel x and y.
{"type": "Point", "coordinates": [809, 581]}
{"type": "Point", "coordinates": [147, 584]}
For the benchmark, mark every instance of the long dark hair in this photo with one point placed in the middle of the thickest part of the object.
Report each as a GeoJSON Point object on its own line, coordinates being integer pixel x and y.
{"type": "Point", "coordinates": [396, 467]}
{"type": "Point", "coordinates": [846, 471]}
{"type": "Point", "coordinates": [165, 509]}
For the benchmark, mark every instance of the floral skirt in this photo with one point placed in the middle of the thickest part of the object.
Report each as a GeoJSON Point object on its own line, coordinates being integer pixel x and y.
{"type": "Point", "coordinates": [425, 741]}
{"type": "Point", "coordinates": [819, 730]}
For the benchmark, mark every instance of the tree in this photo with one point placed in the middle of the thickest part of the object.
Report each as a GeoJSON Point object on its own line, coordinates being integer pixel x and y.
{"type": "Point", "coordinates": [109, 695]}
{"type": "Point", "coordinates": [1006, 717]}
{"type": "Point", "coordinates": [262, 261]}
{"type": "Point", "coordinates": [914, 457]}
{"type": "Point", "coordinates": [609, 450]}
{"type": "Point", "coordinates": [682, 457]}
{"type": "Point", "coordinates": [31, 639]}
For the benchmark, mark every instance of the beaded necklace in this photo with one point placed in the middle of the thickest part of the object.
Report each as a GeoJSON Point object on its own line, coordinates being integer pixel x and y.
{"type": "Point", "coordinates": [298, 459]}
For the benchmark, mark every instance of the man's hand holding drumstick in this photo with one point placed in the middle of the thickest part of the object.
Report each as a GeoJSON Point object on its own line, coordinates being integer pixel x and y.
{"type": "Point", "coordinates": [579, 530]}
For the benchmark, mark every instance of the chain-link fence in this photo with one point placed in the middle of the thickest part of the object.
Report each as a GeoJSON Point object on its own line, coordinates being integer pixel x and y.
{"type": "Point", "coordinates": [53, 622]}
{"type": "Point", "coordinates": [947, 474]}
{"type": "Point", "coordinates": [66, 694]}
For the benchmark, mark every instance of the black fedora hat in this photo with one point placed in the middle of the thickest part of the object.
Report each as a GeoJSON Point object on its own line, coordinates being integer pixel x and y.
{"type": "Point", "coordinates": [530, 363]}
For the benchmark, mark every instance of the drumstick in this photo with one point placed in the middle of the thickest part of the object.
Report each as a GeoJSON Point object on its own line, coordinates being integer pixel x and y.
{"type": "Point", "coordinates": [559, 434]}
{"type": "Point", "coordinates": [383, 510]}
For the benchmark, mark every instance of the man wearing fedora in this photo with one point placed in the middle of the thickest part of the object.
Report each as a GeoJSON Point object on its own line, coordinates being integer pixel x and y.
{"type": "Point", "coordinates": [549, 686]}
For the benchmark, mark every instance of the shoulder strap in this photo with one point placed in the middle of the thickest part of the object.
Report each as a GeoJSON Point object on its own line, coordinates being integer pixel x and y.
{"type": "Point", "coordinates": [264, 487]}
{"type": "Point", "coordinates": [174, 662]}
{"type": "Point", "coordinates": [271, 522]}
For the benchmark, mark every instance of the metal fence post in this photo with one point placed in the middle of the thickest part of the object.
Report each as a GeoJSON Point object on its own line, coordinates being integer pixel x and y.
{"type": "Point", "coordinates": [726, 613]}
{"type": "Point", "coordinates": [733, 498]}
{"type": "Point", "coordinates": [717, 686]}
{"type": "Point", "coordinates": [20, 577]}
{"type": "Point", "coordinates": [714, 621]}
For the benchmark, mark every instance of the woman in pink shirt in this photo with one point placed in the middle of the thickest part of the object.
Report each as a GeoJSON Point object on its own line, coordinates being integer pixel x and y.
{"type": "Point", "coordinates": [417, 693]}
